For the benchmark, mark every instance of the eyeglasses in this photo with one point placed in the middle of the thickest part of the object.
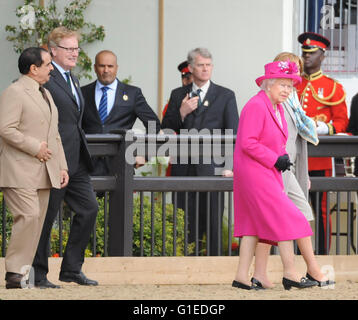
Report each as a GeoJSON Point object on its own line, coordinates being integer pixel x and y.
{"type": "Point", "coordinates": [70, 49]}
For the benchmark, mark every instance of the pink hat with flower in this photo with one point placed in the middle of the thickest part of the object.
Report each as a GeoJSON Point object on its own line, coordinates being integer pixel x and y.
{"type": "Point", "coordinates": [279, 70]}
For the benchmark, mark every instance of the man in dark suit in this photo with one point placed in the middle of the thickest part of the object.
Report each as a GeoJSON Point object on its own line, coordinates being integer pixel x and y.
{"type": "Point", "coordinates": [112, 104]}
{"type": "Point", "coordinates": [202, 105]}
{"type": "Point", "coordinates": [79, 195]}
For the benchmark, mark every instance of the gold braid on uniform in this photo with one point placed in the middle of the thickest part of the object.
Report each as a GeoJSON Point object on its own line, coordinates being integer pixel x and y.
{"type": "Point", "coordinates": [331, 129]}
{"type": "Point", "coordinates": [324, 100]}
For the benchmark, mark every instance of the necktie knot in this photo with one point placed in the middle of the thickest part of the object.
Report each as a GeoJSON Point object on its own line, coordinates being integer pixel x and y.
{"type": "Point", "coordinates": [104, 89]}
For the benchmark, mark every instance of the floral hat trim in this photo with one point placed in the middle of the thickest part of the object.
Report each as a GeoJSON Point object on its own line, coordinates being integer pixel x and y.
{"type": "Point", "coordinates": [280, 69]}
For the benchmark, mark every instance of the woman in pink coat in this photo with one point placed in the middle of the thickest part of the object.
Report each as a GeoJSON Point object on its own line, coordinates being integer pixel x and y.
{"type": "Point", "coordinates": [263, 211]}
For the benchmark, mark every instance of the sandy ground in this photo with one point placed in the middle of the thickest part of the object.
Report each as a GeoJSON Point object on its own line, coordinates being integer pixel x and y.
{"type": "Point", "coordinates": [342, 291]}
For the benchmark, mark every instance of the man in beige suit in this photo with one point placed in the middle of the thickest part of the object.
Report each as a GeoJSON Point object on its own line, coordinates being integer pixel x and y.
{"type": "Point", "coordinates": [32, 160]}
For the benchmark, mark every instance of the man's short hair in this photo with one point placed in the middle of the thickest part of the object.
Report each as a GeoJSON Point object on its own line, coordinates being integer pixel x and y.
{"type": "Point", "coordinates": [28, 57]}
{"type": "Point", "coordinates": [60, 33]}
{"type": "Point", "coordinates": [104, 51]}
{"type": "Point", "coordinates": [198, 52]}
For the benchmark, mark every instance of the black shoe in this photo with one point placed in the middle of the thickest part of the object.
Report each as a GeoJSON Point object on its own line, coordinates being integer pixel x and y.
{"type": "Point", "coordinates": [257, 284]}
{"type": "Point", "coordinates": [79, 278]}
{"type": "Point", "coordinates": [45, 284]}
{"type": "Point", "coordinates": [321, 283]}
{"type": "Point", "coordinates": [240, 285]}
{"type": "Point", "coordinates": [304, 283]}
{"type": "Point", "coordinates": [13, 280]}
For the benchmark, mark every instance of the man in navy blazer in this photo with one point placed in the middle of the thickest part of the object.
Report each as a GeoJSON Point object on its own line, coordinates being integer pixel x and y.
{"type": "Point", "coordinates": [202, 105]}
{"type": "Point", "coordinates": [79, 195]}
{"type": "Point", "coordinates": [116, 108]}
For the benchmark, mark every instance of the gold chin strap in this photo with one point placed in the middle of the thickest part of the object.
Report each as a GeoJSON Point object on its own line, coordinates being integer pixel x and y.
{"type": "Point", "coordinates": [312, 49]}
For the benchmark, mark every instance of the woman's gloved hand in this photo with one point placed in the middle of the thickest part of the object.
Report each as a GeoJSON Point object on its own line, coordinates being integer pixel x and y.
{"type": "Point", "coordinates": [283, 163]}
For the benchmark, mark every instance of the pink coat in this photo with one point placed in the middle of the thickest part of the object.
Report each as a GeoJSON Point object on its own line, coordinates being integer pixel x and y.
{"type": "Point", "coordinates": [261, 205]}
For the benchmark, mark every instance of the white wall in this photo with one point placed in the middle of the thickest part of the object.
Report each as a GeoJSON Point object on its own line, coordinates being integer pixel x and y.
{"type": "Point", "coordinates": [242, 36]}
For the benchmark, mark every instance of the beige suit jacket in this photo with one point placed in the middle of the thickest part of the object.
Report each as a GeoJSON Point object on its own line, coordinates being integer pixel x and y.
{"type": "Point", "coordinates": [25, 121]}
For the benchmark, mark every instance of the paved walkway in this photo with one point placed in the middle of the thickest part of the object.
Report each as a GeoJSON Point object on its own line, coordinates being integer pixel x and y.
{"type": "Point", "coordinates": [346, 290]}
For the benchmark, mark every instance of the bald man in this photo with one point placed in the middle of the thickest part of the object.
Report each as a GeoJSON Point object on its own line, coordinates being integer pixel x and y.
{"type": "Point", "coordinates": [111, 104]}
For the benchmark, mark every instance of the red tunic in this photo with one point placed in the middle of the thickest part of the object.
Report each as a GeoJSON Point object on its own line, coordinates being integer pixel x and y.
{"type": "Point", "coordinates": [323, 99]}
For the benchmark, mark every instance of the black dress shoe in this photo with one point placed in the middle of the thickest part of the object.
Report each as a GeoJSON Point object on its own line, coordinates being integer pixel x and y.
{"type": "Point", "coordinates": [257, 284]}
{"type": "Point", "coordinates": [45, 284]}
{"type": "Point", "coordinates": [13, 280]}
{"type": "Point", "coordinates": [321, 283]}
{"type": "Point", "coordinates": [304, 283]}
{"type": "Point", "coordinates": [79, 278]}
{"type": "Point", "coordinates": [240, 285]}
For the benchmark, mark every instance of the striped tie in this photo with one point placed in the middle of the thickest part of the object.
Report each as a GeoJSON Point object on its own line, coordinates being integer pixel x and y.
{"type": "Point", "coordinates": [103, 105]}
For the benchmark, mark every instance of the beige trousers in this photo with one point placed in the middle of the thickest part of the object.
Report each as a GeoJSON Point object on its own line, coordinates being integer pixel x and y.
{"type": "Point", "coordinates": [28, 208]}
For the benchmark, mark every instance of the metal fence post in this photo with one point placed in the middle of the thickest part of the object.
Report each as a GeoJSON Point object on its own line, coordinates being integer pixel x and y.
{"type": "Point", "coordinates": [120, 233]}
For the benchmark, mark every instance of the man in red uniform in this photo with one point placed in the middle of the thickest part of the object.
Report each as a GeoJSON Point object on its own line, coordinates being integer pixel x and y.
{"type": "Point", "coordinates": [323, 99]}
{"type": "Point", "coordinates": [186, 78]}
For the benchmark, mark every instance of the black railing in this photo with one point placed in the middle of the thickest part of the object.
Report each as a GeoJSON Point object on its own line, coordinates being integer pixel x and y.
{"type": "Point", "coordinates": [123, 232]}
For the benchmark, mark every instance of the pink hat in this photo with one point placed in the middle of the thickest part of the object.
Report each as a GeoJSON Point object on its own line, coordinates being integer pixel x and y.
{"type": "Point", "coordinates": [279, 70]}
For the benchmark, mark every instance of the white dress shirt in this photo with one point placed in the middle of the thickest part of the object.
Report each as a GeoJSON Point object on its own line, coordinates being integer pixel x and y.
{"type": "Point", "coordinates": [204, 89]}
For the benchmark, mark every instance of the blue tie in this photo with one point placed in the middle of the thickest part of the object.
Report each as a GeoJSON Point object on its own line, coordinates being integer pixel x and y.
{"type": "Point", "coordinates": [103, 105]}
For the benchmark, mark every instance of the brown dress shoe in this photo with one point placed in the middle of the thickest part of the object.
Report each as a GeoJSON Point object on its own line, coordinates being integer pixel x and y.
{"type": "Point", "coordinates": [13, 280]}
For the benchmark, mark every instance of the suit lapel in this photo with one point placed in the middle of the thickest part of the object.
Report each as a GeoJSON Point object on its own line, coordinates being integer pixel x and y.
{"type": "Point", "coordinates": [80, 96]}
{"type": "Point", "coordinates": [120, 92]}
{"type": "Point", "coordinates": [209, 98]}
{"type": "Point", "coordinates": [60, 80]}
{"type": "Point", "coordinates": [36, 96]}
{"type": "Point", "coordinates": [90, 97]}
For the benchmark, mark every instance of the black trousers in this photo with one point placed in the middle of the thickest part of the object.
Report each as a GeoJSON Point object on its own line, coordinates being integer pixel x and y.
{"type": "Point", "coordinates": [81, 199]}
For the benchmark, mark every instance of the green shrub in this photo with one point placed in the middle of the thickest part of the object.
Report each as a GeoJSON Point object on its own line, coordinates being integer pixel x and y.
{"type": "Point", "coordinates": [158, 229]}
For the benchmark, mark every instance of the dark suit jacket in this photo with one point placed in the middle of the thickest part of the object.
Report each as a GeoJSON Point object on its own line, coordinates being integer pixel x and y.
{"type": "Point", "coordinates": [69, 120]}
{"type": "Point", "coordinates": [218, 111]}
{"type": "Point", "coordinates": [129, 104]}
{"type": "Point", "coordinates": [124, 112]}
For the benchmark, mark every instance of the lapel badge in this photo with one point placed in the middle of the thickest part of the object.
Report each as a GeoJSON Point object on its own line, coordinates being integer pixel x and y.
{"type": "Point", "coordinates": [206, 103]}
{"type": "Point", "coordinates": [125, 97]}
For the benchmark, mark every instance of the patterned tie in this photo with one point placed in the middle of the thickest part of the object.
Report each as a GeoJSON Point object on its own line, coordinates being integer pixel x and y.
{"type": "Point", "coordinates": [103, 105]}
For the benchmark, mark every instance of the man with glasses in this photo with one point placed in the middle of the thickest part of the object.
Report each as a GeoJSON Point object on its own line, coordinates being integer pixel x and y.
{"type": "Point", "coordinates": [79, 194]}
